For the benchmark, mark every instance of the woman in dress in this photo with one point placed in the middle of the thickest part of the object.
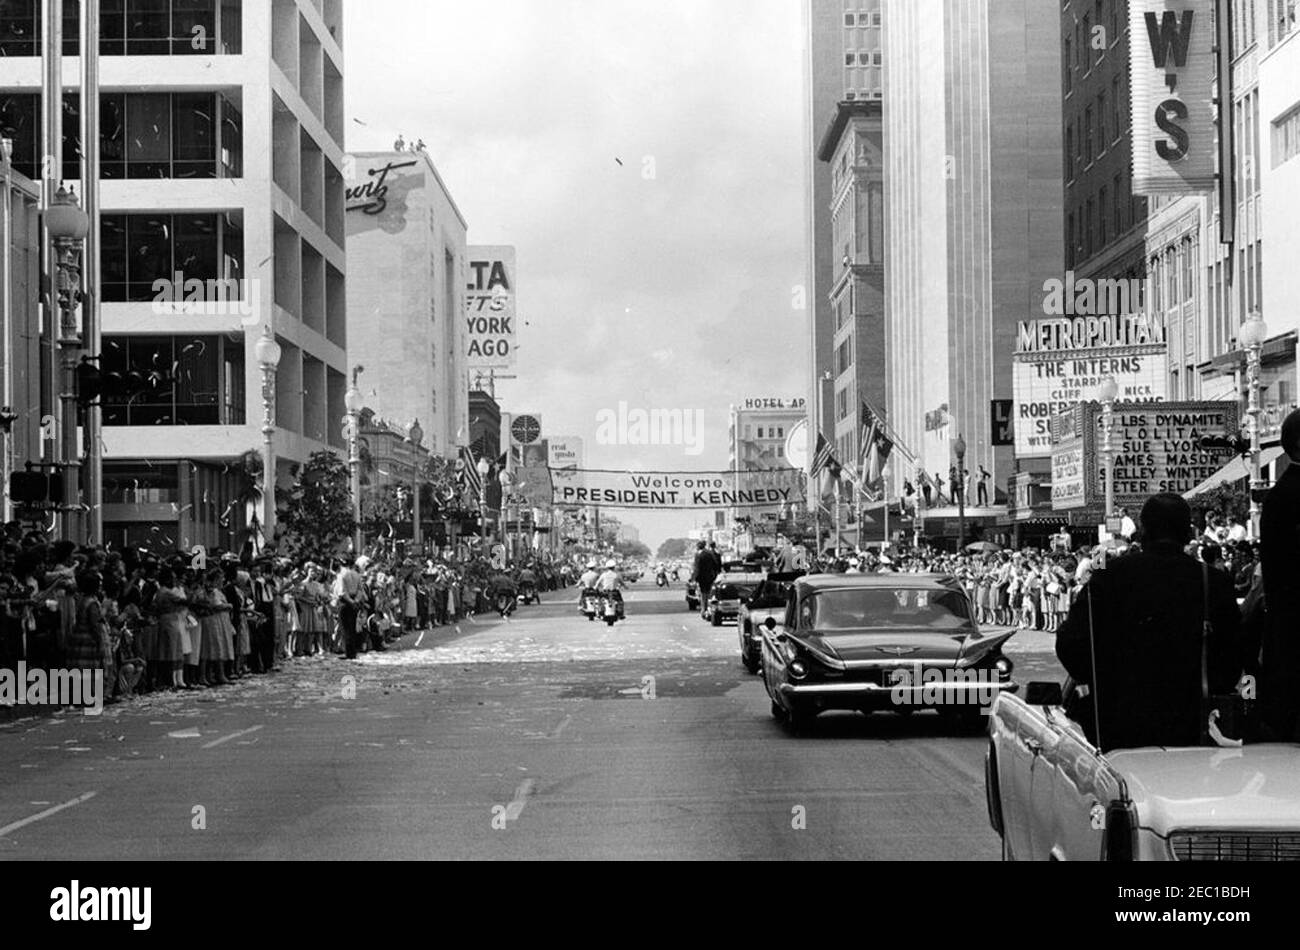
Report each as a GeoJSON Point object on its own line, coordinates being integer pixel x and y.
{"type": "Point", "coordinates": [217, 634]}
{"type": "Point", "coordinates": [170, 606]}
{"type": "Point", "coordinates": [88, 646]}
{"type": "Point", "coordinates": [410, 600]}
{"type": "Point", "coordinates": [239, 610]}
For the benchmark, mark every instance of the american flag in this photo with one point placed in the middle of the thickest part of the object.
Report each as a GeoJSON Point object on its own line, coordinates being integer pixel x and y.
{"type": "Point", "coordinates": [467, 471]}
{"type": "Point", "coordinates": [824, 459]}
{"type": "Point", "coordinates": [876, 445]}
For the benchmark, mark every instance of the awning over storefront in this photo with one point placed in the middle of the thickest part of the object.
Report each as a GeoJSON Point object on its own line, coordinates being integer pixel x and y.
{"type": "Point", "coordinates": [1234, 471]}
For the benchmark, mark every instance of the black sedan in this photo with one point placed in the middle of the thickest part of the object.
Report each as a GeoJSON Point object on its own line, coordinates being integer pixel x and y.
{"type": "Point", "coordinates": [768, 600]}
{"type": "Point", "coordinates": [871, 642]}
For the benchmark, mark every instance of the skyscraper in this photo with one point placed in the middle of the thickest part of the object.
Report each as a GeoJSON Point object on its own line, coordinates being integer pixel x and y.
{"type": "Point", "coordinates": [972, 109]}
{"type": "Point", "coordinates": [842, 61]}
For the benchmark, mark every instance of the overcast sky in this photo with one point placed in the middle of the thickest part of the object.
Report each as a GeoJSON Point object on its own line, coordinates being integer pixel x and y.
{"type": "Point", "coordinates": [666, 292]}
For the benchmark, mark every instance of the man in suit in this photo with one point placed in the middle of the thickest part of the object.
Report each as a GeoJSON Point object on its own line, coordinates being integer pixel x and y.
{"type": "Point", "coordinates": [1143, 618]}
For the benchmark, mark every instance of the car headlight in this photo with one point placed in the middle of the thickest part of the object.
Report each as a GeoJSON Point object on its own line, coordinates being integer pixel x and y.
{"type": "Point", "coordinates": [1003, 666]}
{"type": "Point", "coordinates": [798, 670]}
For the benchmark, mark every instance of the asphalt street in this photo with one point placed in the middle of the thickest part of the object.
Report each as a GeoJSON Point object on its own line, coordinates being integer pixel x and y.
{"type": "Point", "coordinates": [546, 736]}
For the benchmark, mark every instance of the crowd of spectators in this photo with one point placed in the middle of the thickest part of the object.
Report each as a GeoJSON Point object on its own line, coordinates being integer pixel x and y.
{"type": "Point", "coordinates": [204, 620]}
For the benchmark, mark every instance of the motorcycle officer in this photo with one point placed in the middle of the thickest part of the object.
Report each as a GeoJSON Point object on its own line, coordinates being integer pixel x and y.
{"type": "Point", "coordinates": [588, 580]}
{"type": "Point", "coordinates": [610, 584]}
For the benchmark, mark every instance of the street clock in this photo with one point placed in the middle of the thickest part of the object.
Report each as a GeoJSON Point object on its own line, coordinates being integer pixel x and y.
{"type": "Point", "coordinates": [526, 429]}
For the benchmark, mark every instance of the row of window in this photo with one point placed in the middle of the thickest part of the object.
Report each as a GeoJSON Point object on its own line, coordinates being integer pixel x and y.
{"type": "Point", "coordinates": [198, 380]}
{"type": "Point", "coordinates": [1094, 33]}
{"type": "Point", "coordinates": [129, 27]}
{"type": "Point", "coordinates": [863, 59]}
{"type": "Point", "coordinates": [1286, 137]}
{"type": "Point", "coordinates": [1097, 220]}
{"type": "Point", "coordinates": [1088, 135]}
{"type": "Point", "coordinates": [142, 135]}
{"type": "Point", "coordinates": [139, 249]}
{"type": "Point", "coordinates": [861, 19]}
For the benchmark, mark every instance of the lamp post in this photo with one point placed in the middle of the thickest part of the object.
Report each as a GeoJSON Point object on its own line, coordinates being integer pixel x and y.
{"type": "Point", "coordinates": [68, 226]}
{"type": "Point", "coordinates": [959, 447]}
{"type": "Point", "coordinates": [506, 482]}
{"type": "Point", "coordinates": [484, 467]}
{"type": "Point", "coordinates": [1252, 336]}
{"type": "Point", "coordinates": [415, 435]}
{"type": "Point", "coordinates": [268, 355]}
{"type": "Point", "coordinates": [1108, 391]}
{"type": "Point", "coordinates": [354, 402]}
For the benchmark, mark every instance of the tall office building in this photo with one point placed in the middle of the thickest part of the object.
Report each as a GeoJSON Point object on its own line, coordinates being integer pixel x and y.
{"type": "Point", "coordinates": [972, 114]}
{"type": "Point", "coordinates": [1105, 223]}
{"type": "Point", "coordinates": [842, 62]}
{"type": "Point", "coordinates": [406, 301]}
{"type": "Point", "coordinates": [221, 142]}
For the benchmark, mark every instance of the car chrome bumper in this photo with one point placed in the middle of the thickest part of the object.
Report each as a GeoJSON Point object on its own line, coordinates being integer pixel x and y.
{"type": "Point", "coordinates": [899, 695]}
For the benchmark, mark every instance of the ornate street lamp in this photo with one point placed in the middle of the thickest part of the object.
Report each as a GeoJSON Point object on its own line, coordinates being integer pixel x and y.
{"type": "Point", "coordinates": [1253, 333]}
{"type": "Point", "coordinates": [1107, 393]}
{"type": "Point", "coordinates": [354, 402]}
{"type": "Point", "coordinates": [67, 226]}
{"type": "Point", "coordinates": [484, 467]}
{"type": "Point", "coordinates": [415, 435]}
{"type": "Point", "coordinates": [268, 353]}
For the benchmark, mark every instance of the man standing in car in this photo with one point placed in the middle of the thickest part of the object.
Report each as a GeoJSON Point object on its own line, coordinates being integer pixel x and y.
{"type": "Point", "coordinates": [1279, 530]}
{"type": "Point", "coordinates": [1144, 613]}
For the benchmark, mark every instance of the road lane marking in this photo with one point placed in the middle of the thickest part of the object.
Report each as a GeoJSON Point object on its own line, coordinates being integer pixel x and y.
{"type": "Point", "coordinates": [564, 724]}
{"type": "Point", "coordinates": [234, 735]}
{"type": "Point", "coordinates": [31, 819]}
{"type": "Point", "coordinates": [522, 794]}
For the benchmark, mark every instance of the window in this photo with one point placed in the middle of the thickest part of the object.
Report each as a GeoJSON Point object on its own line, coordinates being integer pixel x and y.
{"type": "Point", "coordinates": [1114, 22]}
{"type": "Point", "coordinates": [1281, 20]}
{"type": "Point", "coordinates": [1087, 136]}
{"type": "Point", "coordinates": [1101, 217]}
{"type": "Point", "coordinates": [126, 484]}
{"type": "Point", "coordinates": [1084, 53]}
{"type": "Point", "coordinates": [1103, 141]}
{"type": "Point", "coordinates": [1069, 152]}
{"type": "Point", "coordinates": [760, 432]}
{"type": "Point", "coordinates": [1116, 119]}
{"type": "Point", "coordinates": [1069, 64]}
{"type": "Point", "coordinates": [1188, 283]}
{"type": "Point", "coordinates": [178, 380]}
{"type": "Point", "coordinates": [850, 19]}
{"type": "Point", "coordinates": [1069, 240]}
{"type": "Point", "coordinates": [1098, 19]}
{"type": "Point", "coordinates": [1087, 229]}
{"type": "Point", "coordinates": [138, 249]}
{"type": "Point", "coordinates": [850, 59]}
{"type": "Point", "coordinates": [129, 27]}
{"type": "Point", "coordinates": [1118, 223]}
{"type": "Point", "coordinates": [780, 432]}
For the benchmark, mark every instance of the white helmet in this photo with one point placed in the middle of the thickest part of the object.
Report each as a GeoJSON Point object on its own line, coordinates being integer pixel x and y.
{"type": "Point", "coordinates": [592, 563]}
{"type": "Point", "coordinates": [611, 563]}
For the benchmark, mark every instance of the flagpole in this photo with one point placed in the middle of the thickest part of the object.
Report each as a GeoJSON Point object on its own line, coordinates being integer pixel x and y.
{"type": "Point", "coordinates": [885, 494]}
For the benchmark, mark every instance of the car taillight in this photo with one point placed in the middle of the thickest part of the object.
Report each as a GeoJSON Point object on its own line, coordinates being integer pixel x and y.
{"type": "Point", "coordinates": [1119, 843]}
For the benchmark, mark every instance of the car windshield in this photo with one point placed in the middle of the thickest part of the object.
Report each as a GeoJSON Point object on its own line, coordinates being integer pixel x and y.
{"type": "Point", "coordinates": [733, 591]}
{"type": "Point", "coordinates": [883, 608]}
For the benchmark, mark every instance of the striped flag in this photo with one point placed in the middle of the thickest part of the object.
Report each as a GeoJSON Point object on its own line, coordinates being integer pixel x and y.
{"type": "Point", "coordinates": [467, 472]}
{"type": "Point", "coordinates": [876, 444]}
{"type": "Point", "coordinates": [824, 459]}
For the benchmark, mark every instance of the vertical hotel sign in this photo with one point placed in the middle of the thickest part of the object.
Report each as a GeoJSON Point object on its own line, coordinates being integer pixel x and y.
{"type": "Point", "coordinates": [1171, 75]}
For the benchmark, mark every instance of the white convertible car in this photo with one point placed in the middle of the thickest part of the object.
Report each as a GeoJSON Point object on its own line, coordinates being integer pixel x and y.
{"type": "Point", "coordinates": [1053, 797]}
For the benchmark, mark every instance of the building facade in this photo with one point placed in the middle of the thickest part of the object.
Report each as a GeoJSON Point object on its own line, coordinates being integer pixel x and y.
{"type": "Point", "coordinates": [974, 212]}
{"type": "Point", "coordinates": [852, 147]}
{"type": "Point", "coordinates": [222, 153]}
{"type": "Point", "coordinates": [406, 240]}
{"type": "Point", "coordinates": [20, 360]}
{"type": "Point", "coordinates": [842, 62]}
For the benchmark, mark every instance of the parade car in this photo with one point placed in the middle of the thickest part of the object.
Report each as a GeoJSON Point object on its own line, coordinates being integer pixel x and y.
{"type": "Point", "coordinates": [1052, 796]}
{"type": "Point", "coordinates": [872, 642]}
{"type": "Point", "coordinates": [768, 600]}
{"type": "Point", "coordinates": [727, 595]}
